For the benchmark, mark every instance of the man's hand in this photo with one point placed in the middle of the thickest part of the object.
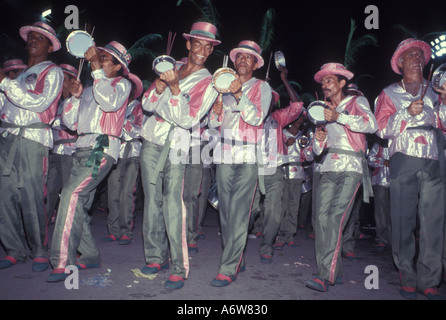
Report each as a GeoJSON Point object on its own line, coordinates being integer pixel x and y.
{"type": "Point", "coordinates": [442, 92]}
{"type": "Point", "coordinates": [236, 88]}
{"type": "Point", "coordinates": [331, 115]}
{"type": "Point", "coordinates": [320, 133]}
{"type": "Point", "coordinates": [160, 86]}
{"type": "Point", "coordinates": [217, 108]}
{"type": "Point", "coordinates": [415, 108]}
{"type": "Point", "coordinates": [172, 79]}
{"type": "Point", "coordinates": [92, 55]}
{"type": "Point", "coordinates": [76, 88]}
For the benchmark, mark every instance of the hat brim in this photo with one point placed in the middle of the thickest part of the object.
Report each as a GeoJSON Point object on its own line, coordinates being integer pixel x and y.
{"type": "Point", "coordinates": [322, 73]}
{"type": "Point", "coordinates": [233, 54]}
{"type": "Point", "coordinates": [215, 42]}
{"type": "Point", "coordinates": [138, 83]}
{"type": "Point", "coordinates": [126, 69]}
{"type": "Point", "coordinates": [427, 50]}
{"type": "Point", "coordinates": [15, 67]}
{"type": "Point", "coordinates": [54, 41]}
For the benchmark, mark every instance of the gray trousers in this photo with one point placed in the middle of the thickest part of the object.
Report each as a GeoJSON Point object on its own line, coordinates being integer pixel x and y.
{"type": "Point", "coordinates": [58, 173]}
{"type": "Point", "coordinates": [206, 181]}
{"type": "Point", "coordinates": [72, 231]}
{"type": "Point", "coordinates": [22, 208]}
{"type": "Point", "coordinates": [291, 203]}
{"type": "Point", "coordinates": [236, 184]}
{"type": "Point", "coordinates": [335, 197]}
{"type": "Point", "coordinates": [382, 215]}
{"type": "Point", "coordinates": [316, 179]}
{"type": "Point", "coordinates": [192, 179]}
{"type": "Point", "coordinates": [164, 220]}
{"type": "Point", "coordinates": [416, 185]}
{"type": "Point", "coordinates": [121, 188]}
{"type": "Point", "coordinates": [272, 210]}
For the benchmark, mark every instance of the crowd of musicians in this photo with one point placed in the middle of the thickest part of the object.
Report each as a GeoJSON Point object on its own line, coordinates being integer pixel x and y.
{"type": "Point", "coordinates": [58, 136]}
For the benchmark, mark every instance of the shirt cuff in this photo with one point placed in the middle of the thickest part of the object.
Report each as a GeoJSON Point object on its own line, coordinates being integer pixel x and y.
{"type": "Point", "coordinates": [98, 74]}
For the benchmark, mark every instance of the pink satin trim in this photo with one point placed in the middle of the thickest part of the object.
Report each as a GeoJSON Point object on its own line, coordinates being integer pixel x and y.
{"type": "Point", "coordinates": [184, 233]}
{"type": "Point", "coordinates": [66, 233]}
{"type": "Point", "coordinates": [339, 242]}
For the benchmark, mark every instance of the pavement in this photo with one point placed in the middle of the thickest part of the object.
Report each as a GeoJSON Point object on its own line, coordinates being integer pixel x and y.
{"type": "Point", "coordinates": [282, 280]}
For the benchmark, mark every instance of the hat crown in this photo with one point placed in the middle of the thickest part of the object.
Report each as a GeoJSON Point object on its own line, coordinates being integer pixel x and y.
{"type": "Point", "coordinates": [120, 50]}
{"type": "Point", "coordinates": [45, 26]}
{"type": "Point", "coordinates": [333, 66]}
{"type": "Point", "coordinates": [204, 28]}
{"type": "Point", "coordinates": [248, 44]}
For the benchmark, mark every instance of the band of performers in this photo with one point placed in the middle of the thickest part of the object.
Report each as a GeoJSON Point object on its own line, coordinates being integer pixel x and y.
{"type": "Point", "coordinates": [192, 127]}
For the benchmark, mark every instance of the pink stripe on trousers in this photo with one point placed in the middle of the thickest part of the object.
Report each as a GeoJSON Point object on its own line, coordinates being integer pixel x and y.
{"type": "Point", "coordinates": [70, 218]}
{"type": "Point", "coordinates": [339, 242]}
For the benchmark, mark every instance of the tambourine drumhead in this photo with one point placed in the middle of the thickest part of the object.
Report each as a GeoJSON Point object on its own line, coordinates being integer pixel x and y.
{"type": "Point", "coordinates": [223, 78]}
{"type": "Point", "coordinates": [279, 59]}
{"type": "Point", "coordinates": [78, 42]}
{"type": "Point", "coordinates": [316, 112]}
{"type": "Point", "coordinates": [439, 76]}
{"type": "Point", "coordinates": [162, 64]}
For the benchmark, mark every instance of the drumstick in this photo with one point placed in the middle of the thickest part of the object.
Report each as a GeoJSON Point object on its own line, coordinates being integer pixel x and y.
{"type": "Point", "coordinates": [422, 80]}
{"type": "Point", "coordinates": [428, 81]}
{"type": "Point", "coordinates": [81, 65]}
{"type": "Point", "coordinates": [269, 64]}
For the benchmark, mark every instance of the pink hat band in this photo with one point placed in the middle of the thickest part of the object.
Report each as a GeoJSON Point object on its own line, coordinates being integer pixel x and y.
{"type": "Point", "coordinates": [204, 31]}
{"type": "Point", "coordinates": [332, 68]}
{"type": "Point", "coordinates": [70, 70]}
{"type": "Point", "coordinates": [44, 29]}
{"type": "Point", "coordinates": [14, 64]}
{"type": "Point", "coordinates": [406, 45]}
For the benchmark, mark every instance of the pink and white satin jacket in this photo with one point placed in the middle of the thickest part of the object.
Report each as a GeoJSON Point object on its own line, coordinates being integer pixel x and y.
{"type": "Point", "coordinates": [32, 98]}
{"type": "Point", "coordinates": [394, 121]}
{"type": "Point", "coordinates": [60, 133]}
{"type": "Point", "coordinates": [347, 133]}
{"type": "Point", "coordinates": [272, 145]}
{"type": "Point", "coordinates": [297, 156]}
{"type": "Point", "coordinates": [183, 111]}
{"type": "Point", "coordinates": [242, 121]}
{"type": "Point", "coordinates": [380, 172]}
{"type": "Point", "coordinates": [132, 129]}
{"type": "Point", "coordinates": [99, 110]}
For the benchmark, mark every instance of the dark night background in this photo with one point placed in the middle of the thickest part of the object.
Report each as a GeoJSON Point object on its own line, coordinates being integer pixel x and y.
{"type": "Point", "coordinates": [309, 33]}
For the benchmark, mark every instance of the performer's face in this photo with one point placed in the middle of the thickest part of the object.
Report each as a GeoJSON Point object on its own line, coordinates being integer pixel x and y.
{"type": "Point", "coordinates": [245, 63]}
{"type": "Point", "coordinates": [37, 45]}
{"type": "Point", "coordinates": [331, 86]}
{"type": "Point", "coordinates": [199, 51]}
{"type": "Point", "coordinates": [109, 64]}
{"type": "Point", "coordinates": [67, 80]}
{"type": "Point", "coordinates": [412, 60]}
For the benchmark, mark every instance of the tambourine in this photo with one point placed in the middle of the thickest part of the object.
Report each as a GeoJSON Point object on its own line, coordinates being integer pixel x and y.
{"type": "Point", "coordinates": [163, 63]}
{"type": "Point", "coordinates": [439, 76]}
{"type": "Point", "coordinates": [316, 112]}
{"type": "Point", "coordinates": [78, 42]}
{"type": "Point", "coordinates": [223, 78]}
{"type": "Point", "coordinates": [279, 59]}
